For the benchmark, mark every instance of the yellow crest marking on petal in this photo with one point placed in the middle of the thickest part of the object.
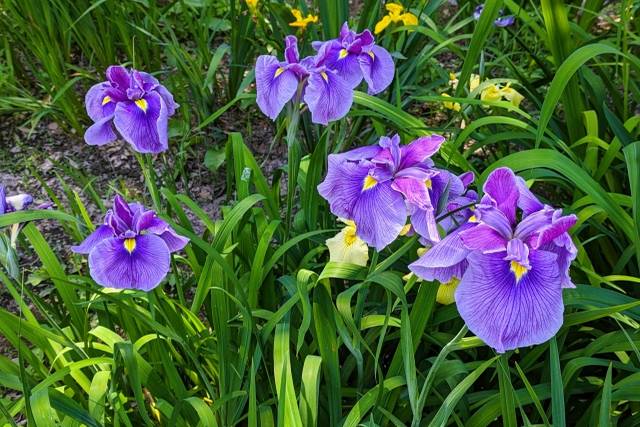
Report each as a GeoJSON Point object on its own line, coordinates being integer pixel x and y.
{"type": "Point", "coordinates": [428, 183]}
{"type": "Point", "coordinates": [473, 218]}
{"type": "Point", "coordinates": [369, 182]}
{"type": "Point", "coordinates": [518, 270]}
{"type": "Point", "coordinates": [279, 71]}
{"type": "Point", "coordinates": [324, 76]}
{"type": "Point", "coordinates": [350, 236]}
{"type": "Point", "coordinates": [372, 55]}
{"type": "Point", "coordinates": [343, 53]}
{"type": "Point", "coordinates": [106, 100]}
{"type": "Point", "coordinates": [142, 104]}
{"type": "Point", "coordinates": [130, 245]}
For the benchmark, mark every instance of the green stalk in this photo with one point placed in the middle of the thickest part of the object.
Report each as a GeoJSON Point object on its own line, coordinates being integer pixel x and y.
{"type": "Point", "coordinates": [293, 154]}
{"type": "Point", "coordinates": [145, 162]}
{"type": "Point", "coordinates": [428, 382]}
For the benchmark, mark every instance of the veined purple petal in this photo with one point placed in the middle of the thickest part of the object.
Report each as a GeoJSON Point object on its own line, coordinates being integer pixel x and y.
{"type": "Point", "coordinates": [380, 214]}
{"type": "Point", "coordinates": [275, 85]}
{"type": "Point", "coordinates": [361, 153]}
{"type": "Point", "coordinates": [505, 313]}
{"type": "Point", "coordinates": [101, 132]}
{"type": "Point", "coordinates": [414, 191]}
{"type": "Point", "coordinates": [519, 252]}
{"type": "Point", "coordinates": [346, 64]}
{"type": "Point", "coordinates": [167, 97]}
{"type": "Point", "coordinates": [420, 149]}
{"type": "Point", "coordinates": [143, 81]}
{"type": "Point", "coordinates": [391, 155]}
{"type": "Point", "coordinates": [527, 201]}
{"type": "Point", "coordinates": [119, 77]}
{"type": "Point", "coordinates": [466, 178]}
{"type": "Point", "coordinates": [291, 49]}
{"type": "Point", "coordinates": [483, 238]}
{"type": "Point", "coordinates": [98, 102]}
{"type": "Point", "coordinates": [444, 260]}
{"type": "Point", "coordinates": [328, 96]}
{"type": "Point", "coordinates": [343, 184]}
{"type": "Point", "coordinates": [123, 211]}
{"type": "Point", "coordinates": [502, 187]}
{"type": "Point", "coordinates": [566, 251]}
{"type": "Point", "coordinates": [174, 241]}
{"type": "Point", "coordinates": [494, 218]}
{"type": "Point", "coordinates": [98, 235]}
{"type": "Point", "coordinates": [378, 69]}
{"type": "Point", "coordinates": [424, 222]}
{"type": "Point", "coordinates": [559, 226]}
{"type": "Point", "coordinates": [143, 123]}
{"type": "Point", "coordinates": [113, 265]}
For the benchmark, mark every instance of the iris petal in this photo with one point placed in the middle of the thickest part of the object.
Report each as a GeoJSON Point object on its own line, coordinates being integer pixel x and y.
{"type": "Point", "coordinates": [146, 129]}
{"type": "Point", "coordinates": [507, 314]}
{"type": "Point", "coordinates": [378, 69]}
{"type": "Point", "coordinates": [328, 96]}
{"type": "Point", "coordinates": [273, 92]}
{"type": "Point", "coordinates": [113, 266]}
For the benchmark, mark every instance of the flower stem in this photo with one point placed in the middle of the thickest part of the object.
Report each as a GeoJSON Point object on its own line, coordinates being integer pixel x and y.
{"type": "Point", "coordinates": [145, 162]}
{"type": "Point", "coordinates": [293, 160]}
{"type": "Point", "coordinates": [428, 382]}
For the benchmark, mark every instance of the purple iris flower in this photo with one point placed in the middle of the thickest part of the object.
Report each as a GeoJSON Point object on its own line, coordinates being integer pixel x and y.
{"type": "Point", "coordinates": [356, 56]}
{"type": "Point", "coordinates": [373, 185]}
{"type": "Point", "coordinates": [133, 102]}
{"type": "Point", "coordinates": [18, 202]}
{"type": "Point", "coordinates": [327, 95]}
{"type": "Point", "coordinates": [325, 82]}
{"type": "Point", "coordinates": [512, 271]}
{"type": "Point", "coordinates": [449, 199]}
{"type": "Point", "coordinates": [131, 250]}
{"type": "Point", "coordinates": [501, 21]}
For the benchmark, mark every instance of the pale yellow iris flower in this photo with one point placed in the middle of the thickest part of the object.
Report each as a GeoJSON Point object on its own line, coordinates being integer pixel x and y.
{"type": "Point", "coordinates": [450, 105]}
{"type": "Point", "coordinates": [301, 21]}
{"type": "Point", "coordinates": [395, 15]}
{"type": "Point", "coordinates": [347, 247]}
{"type": "Point", "coordinates": [252, 5]}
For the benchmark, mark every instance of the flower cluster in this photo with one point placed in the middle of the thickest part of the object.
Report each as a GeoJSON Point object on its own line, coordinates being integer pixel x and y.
{"type": "Point", "coordinates": [510, 261]}
{"type": "Point", "coordinates": [131, 249]}
{"type": "Point", "coordinates": [325, 81]}
{"type": "Point", "coordinates": [133, 102]}
{"type": "Point", "coordinates": [395, 14]}
{"type": "Point", "coordinates": [379, 187]}
{"type": "Point", "coordinates": [502, 21]}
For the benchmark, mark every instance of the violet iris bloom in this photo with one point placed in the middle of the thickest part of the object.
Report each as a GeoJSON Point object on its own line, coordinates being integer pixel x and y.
{"type": "Point", "coordinates": [131, 250]}
{"type": "Point", "coordinates": [325, 82]}
{"type": "Point", "coordinates": [18, 202]}
{"type": "Point", "coordinates": [356, 56]}
{"type": "Point", "coordinates": [501, 21]}
{"type": "Point", "coordinates": [510, 293]}
{"type": "Point", "coordinates": [372, 185]}
{"type": "Point", "coordinates": [278, 82]}
{"type": "Point", "coordinates": [133, 102]}
{"type": "Point", "coordinates": [448, 197]}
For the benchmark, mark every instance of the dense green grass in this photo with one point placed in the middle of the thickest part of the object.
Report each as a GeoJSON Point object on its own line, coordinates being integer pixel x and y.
{"type": "Point", "coordinates": [254, 326]}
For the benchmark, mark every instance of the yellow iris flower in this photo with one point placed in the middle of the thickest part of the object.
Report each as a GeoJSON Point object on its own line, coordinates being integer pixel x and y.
{"type": "Point", "coordinates": [395, 15]}
{"type": "Point", "coordinates": [302, 22]}
{"type": "Point", "coordinates": [252, 5]}
{"type": "Point", "coordinates": [496, 93]}
{"type": "Point", "coordinates": [474, 82]}
{"type": "Point", "coordinates": [455, 106]}
{"type": "Point", "coordinates": [347, 247]}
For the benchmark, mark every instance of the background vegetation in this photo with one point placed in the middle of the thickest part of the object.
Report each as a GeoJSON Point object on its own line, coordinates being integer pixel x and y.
{"type": "Point", "coordinates": [254, 326]}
